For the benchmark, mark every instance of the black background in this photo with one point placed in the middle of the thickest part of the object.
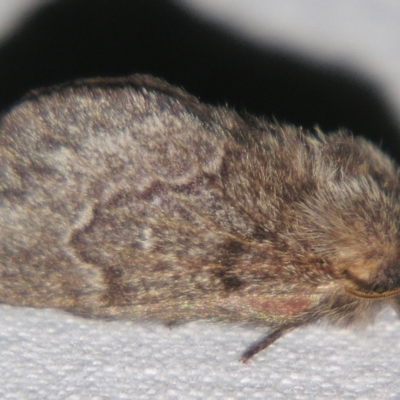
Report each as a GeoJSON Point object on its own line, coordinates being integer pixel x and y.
{"type": "Point", "coordinates": [80, 38]}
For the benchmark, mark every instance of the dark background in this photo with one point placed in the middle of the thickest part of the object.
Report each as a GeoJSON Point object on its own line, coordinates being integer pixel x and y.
{"type": "Point", "coordinates": [80, 38]}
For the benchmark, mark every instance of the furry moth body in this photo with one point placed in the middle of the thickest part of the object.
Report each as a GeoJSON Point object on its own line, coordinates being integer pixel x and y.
{"type": "Point", "coordinates": [128, 198]}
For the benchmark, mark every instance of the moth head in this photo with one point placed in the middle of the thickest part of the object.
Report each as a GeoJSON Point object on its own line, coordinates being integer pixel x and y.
{"type": "Point", "coordinates": [377, 277]}
{"type": "Point", "coordinates": [355, 227]}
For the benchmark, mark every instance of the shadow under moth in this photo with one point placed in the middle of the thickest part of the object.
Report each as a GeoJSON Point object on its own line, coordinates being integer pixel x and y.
{"type": "Point", "coordinates": [128, 198]}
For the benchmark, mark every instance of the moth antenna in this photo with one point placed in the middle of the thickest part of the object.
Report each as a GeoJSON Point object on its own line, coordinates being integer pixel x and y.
{"type": "Point", "coordinates": [366, 295]}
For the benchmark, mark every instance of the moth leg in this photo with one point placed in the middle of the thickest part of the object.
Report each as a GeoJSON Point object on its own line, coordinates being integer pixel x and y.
{"type": "Point", "coordinates": [173, 324]}
{"type": "Point", "coordinates": [265, 342]}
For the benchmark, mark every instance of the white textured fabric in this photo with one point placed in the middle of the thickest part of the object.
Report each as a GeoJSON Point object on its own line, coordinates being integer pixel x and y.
{"type": "Point", "coordinates": [47, 354]}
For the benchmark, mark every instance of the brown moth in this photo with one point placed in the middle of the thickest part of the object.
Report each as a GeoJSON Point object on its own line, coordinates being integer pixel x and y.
{"type": "Point", "coordinates": [129, 198]}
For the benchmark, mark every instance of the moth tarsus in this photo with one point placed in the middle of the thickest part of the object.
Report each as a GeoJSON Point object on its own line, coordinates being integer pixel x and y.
{"type": "Point", "coordinates": [264, 343]}
{"type": "Point", "coordinates": [128, 198]}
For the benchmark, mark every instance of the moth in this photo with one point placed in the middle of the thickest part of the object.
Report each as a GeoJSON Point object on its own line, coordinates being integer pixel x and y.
{"type": "Point", "coordinates": [129, 198]}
